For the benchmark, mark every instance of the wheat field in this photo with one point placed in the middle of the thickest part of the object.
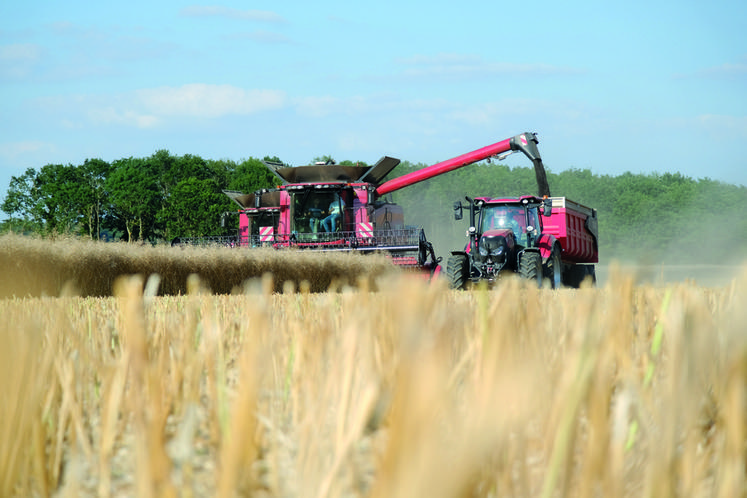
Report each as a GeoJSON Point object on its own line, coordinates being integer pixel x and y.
{"type": "Point", "coordinates": [118, 380]}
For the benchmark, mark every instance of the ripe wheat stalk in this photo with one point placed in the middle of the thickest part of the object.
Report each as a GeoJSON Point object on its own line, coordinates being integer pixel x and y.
{"type": "Point", "coordinates": [385, 387]}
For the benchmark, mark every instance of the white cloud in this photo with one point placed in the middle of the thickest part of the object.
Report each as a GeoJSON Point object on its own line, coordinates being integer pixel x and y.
{"type": "Point", "coordinates": [729, 69]}
{"type": "Point", "coordinates": [219, 11]}
{"type": "Point", "coordinates": [19, 51]}
{"type": "Point", "coordinates": [317, 107]}
{"type": "Point", "coordinates": [159, 107]}
{"type": "Point", "coordinates": [465, 65]}
{"type": "Point", "coordinates": [726, 70]}
{"type": "Point", "coordinates": [207, 101]}
{"type": "Point", "coordinates": [11, 151]}
{"type": "Point", "coordinates": [261, 36]}
{"type": "Point", "coordinates": [725, 127]}
{"type": "Point", "coordinates": [17, 60]}
{"type": "Point", "coordinates": [111, 115]}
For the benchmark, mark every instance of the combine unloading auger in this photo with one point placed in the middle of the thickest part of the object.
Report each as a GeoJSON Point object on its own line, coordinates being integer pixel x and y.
{"type": "Point", "coordinates": [526, 143]}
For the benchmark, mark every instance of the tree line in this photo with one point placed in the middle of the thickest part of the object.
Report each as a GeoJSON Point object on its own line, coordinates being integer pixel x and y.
{"type": "Point", "coordinates": [653, 216]}
{"type": "Point", "coordinates": [155, 198]}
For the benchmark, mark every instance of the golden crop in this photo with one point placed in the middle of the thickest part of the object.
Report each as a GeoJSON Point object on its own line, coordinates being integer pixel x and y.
{"type": "Point", "coordinates": [411, 390]}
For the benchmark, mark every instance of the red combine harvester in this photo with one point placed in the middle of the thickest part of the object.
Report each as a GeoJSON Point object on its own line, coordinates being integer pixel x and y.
{"type": "Point", "coordinates": [331, 207]}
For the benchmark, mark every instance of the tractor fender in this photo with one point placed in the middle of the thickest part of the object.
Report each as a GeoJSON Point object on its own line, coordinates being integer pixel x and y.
{"type": "Point", "coordinates": [467, 248]}
{"type": "Point", "coordinates": [545, 244]}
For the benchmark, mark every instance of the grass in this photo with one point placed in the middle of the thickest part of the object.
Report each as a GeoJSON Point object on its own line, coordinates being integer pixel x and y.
{"type": "Point", "coordinates": [411, 390]}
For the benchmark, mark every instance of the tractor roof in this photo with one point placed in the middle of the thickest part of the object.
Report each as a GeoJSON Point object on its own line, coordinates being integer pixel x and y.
{"type": "Point", "coordinates": [513, 200]}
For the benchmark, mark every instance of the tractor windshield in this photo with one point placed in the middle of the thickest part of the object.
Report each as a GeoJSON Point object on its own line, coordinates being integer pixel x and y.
{"type": "Point", "coordinates": [505, 216]}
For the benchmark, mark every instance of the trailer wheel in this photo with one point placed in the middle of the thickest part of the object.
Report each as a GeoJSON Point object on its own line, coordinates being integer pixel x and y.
{"type": "Point", "coordinates": [576, 274]}
{"type": "Point", "coordinates": [553, 269]}
{"type": "Point", "coordinates": [457, 269]}
{"type": "Point", "coordinates": [530, 267]}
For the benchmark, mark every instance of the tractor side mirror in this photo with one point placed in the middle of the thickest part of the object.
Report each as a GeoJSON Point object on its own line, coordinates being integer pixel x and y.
{"type": "Point", "coordinates": [547, 211]}
{"type": "Point", "coordinates": [458, 215]}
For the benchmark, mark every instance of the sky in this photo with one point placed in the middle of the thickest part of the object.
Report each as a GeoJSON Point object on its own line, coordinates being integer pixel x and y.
{"type": "Point", "coordinates": [645, 87]}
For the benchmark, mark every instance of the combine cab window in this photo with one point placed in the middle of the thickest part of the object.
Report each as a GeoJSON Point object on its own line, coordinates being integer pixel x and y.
{"type": "Point", "coordinates": [319, 211]}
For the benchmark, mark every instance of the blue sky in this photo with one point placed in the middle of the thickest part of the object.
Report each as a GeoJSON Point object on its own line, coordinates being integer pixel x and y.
{"type": "Point", "coordinates": [632, 86]}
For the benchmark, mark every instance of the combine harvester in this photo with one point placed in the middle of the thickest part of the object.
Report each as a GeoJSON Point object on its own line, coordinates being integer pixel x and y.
{"type": "Point", "coordinates": [332, 207]}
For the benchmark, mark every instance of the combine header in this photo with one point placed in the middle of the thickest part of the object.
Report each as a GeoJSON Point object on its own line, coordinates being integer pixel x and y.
{"type": "Point", "coordinates": [332, 207]}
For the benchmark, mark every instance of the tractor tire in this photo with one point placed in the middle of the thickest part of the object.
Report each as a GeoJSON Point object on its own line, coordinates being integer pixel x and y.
{"type": "Point", "coordinates": [575, 275]}
{"type": "Point", "coordinates": [553, 269]}
{"type": "Point", "coordinates": [530, 267]}
{"type": "Point", "coordinates": [457, 270]}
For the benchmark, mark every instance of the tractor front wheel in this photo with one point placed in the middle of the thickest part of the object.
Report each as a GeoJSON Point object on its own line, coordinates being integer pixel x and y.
{"type": "Point", "coordinates": [530, 267]}
{"type": "Point", "coordinates": [457, 269]}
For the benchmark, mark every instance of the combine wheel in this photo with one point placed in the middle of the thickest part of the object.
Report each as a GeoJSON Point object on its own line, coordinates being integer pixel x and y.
{"type": "Point", "coordinates": [457, 269]}
{"type": "Point", "coordinates": [530, 267]}
{"type": "Point", "coordinates": [553, 269]}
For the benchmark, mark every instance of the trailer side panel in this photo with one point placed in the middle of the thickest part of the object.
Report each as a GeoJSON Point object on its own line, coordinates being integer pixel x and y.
{"type": "Point", "coordinates": [570, 223]}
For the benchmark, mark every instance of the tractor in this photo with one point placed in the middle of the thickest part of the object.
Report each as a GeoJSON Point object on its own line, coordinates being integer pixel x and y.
{"type": "Point", "coordinates": [541, 239]}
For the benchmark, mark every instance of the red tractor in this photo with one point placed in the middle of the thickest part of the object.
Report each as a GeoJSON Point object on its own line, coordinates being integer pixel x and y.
{"type": "Point", "coordinates": [539, 238]}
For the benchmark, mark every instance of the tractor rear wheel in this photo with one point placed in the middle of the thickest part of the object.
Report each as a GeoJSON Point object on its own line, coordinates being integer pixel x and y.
{"type": "Point", "coordinates": [457, 269]}
{"type": "Point", "coordinates": [530, 267]}
{"type": "Point", "coordinates": [553, 269]}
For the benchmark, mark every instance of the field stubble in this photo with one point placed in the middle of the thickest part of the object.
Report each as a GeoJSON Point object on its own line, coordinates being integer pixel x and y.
{"type": "Point", "coordinates": [413, 390]}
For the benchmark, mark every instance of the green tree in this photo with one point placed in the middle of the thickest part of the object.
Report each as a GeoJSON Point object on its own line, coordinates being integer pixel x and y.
{"type": "Point", "coordinates": [195, 208]}
{"type": "Point", "coordinates": [251, 175]}
{"type": "Point", "coordinates": [59, 196]}
{"type": "Point", "coordinates": [135, 196]}
{"type": "Point", "coordinates": [94, 173]}
{"type": "Point", "coordinates": [19, 202]}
